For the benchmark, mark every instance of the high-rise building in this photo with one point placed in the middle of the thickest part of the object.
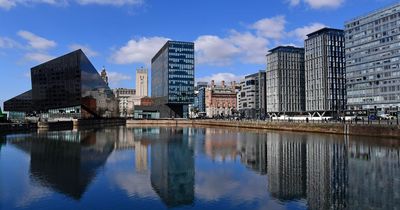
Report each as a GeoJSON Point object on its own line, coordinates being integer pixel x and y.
{"type": "Point", "coordinates": [252, 102]}
{"type": "Point", "coordinates": [285, 80]}
{"type": "Point", "coordinates": [172, 77]}
{"type": "Point", "coordinates": [201, 85]}
{"type": "Point", "coordinates": [66, 87]}
{"type": "Point", "coordinates": [373, 59]}
{"type": "Point", "coordinates": [325, 78]}
{"type": "Point", "coordinates": [142, 83]}
{"type": "Point", "coordinates": [199, 101]}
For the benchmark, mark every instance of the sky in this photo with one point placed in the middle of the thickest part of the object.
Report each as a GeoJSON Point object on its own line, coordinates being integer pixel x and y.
{"type": "Point", "coordinates": [231, 37]}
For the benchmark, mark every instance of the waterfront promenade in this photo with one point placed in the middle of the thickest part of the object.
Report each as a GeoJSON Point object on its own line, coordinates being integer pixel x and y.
{"type": "Point", "coordinates": [390, 130]}
{"type": "Point", "coordinates": [361, 128]}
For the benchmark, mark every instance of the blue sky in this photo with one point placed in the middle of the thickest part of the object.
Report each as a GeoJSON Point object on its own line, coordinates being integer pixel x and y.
{"type": "Point", "coordinates": [231, 36]}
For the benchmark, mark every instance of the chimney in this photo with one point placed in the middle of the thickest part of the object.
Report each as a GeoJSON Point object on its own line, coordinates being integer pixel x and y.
{"type": "Point", "coordinates": [223, 83]}
{"type": "Point", "coordinates": [212, 83]}
{"type": "Point", "coordinates": [233, 85]}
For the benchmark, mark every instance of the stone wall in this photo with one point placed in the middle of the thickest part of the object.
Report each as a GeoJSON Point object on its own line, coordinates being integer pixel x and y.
{"type": "Point", "coordinates": [391, 131]}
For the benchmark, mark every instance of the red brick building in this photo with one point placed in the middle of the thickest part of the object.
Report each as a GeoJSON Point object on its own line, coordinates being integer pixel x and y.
{"type": "Point", "coordinates": [220, 99]}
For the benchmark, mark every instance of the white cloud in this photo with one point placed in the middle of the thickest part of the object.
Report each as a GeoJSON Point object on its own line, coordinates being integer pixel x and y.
{"type": "Point", "coordinates": [85, 48]}
{"type": "Point", "coordinates": [214, 50]}
{"type": "Point", "coordinates": [319, 4]}
{"type": "Point", "coordinates": [37, 42]}
{"type": "Point", "coordinates": [38, 57]}
{"type": "Point", "coordinates": [273, 28]}
{"type": "Point", "coordinates": [8, 4]}
{"type": "Point", "coordinates": [252, 47]}
{"type": "Point", "coordinates": [134, 184]}
{"type": "Point", "coordinates": [138, 51]}
{"type": "Point", "coordinates": [302, 32]}
{"type": "Point", "coordinates": [294, 2]}
{"type": "Point", "coordinates": [247, 47]}
{"type": "Point", "coordinates": [218, 77]}
{"type": "Point", "coordinates": [6, 42]}
{"type": "Point", "coordinates": [116, 77]}
{"type": "Point", "coordinates": [27, 74]}
{"type": "Point", "coordinates": [110, 2]}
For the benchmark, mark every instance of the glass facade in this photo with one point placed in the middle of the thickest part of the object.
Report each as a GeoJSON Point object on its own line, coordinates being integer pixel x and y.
{"type": "Point", "coordinates": [173, 72]}
{"type": "Point", "coordinates": [201, 97]}
{"type": "Point", "coordinates": [21, 103]}
{"type": "Point", "coordinates": [373, 59]}
{"type": "Point", "coordinates": [285, 80]}
{"type": "Point", "coordinates": [325, 71]}
{"type": "Point", "coordinates": [64, 83]}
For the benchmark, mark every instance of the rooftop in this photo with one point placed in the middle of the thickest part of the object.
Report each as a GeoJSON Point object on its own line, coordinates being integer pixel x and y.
{"type": "Point", "coordinates": [166, 46]}
{"type": "Point", "coordinates": [324, 31]}
{"type": "Point", "coordinates": [374, 12]}
{"type": "Point", "coordinates": [286, 49]}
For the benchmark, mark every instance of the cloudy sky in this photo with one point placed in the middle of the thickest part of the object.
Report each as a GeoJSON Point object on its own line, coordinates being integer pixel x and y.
{"type": "Point", "coordinates": [231, 36]}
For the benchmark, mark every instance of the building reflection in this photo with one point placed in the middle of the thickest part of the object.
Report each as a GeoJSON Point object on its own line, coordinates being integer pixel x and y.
{"type": "Point", "coordinates": [327, 173]}
{"type": "Point", "coordinates": [252, 150]}
{"type": "Point", "coordinates": [2, 141]}
{"type": "Point", "coordinates": [286, 166]}
{"type": "Point", "coordinates": [220, 145]}
{"type": "Point", "coordinates": [141, 156]}
{"type": "Point", "coordinates": [172, 167]}
{"type": "Point", "coordinates": [374, 181]}
{"type": "Point", "coordinates": [323, 171]}
{"type": "Point", "coordinates": [66, 166]}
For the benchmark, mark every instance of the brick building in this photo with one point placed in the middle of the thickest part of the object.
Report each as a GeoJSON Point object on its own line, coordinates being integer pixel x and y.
{"type": "Point", "coordinates": [220, 99]}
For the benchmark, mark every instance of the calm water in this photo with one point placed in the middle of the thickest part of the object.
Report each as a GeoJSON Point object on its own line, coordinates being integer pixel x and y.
{"type": "Point", "coordinates": [197, 168]}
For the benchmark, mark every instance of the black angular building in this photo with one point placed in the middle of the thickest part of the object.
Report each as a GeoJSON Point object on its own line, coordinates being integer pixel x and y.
{"type": "Point", "coordinates": [67, 86]}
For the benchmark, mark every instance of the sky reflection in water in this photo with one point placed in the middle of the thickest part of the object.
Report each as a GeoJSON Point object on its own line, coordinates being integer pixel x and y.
{"type": "Point", "coordinates": [197, 168]}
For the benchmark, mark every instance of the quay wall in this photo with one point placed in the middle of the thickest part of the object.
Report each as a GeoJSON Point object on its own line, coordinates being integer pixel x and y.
{"type": "Point", "coordinates": [391, 131]}
{"type": "Point", "coordinates": [15, 127]}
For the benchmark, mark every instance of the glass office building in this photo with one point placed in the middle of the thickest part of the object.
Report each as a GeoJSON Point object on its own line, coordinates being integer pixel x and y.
{"type": "Point", "coordinates": [172, 75]}
{"type": "Point", "coordinates": [373, 59]}
{"type": "Point", "coordinates": [285, 82]}
{"type": "Point", "coordinates": [325, 79]}
{"type": "Point", "coordinates": [67, 87]}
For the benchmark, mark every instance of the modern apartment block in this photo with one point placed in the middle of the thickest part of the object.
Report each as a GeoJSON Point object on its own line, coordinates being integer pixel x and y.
{"type": "Point", "coordinates": [172, 77]}
{"type": "Point", "coordinates": [285, 81]}
{"type": "Point", "coordinates": [142, 82]}
{"type": "Point", "coordinates": [373, 59]}
{"type": "Point", "coordinates": [325, 76]}
{"type": "Point", "coordinates": [252, 95]}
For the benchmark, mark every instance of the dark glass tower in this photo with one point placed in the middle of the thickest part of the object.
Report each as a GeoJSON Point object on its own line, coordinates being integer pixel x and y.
{"type": "Point", "coordinates": [172, 76]}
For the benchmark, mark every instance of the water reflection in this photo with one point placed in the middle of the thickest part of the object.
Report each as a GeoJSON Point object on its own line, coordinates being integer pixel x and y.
{"type": "Point", "coordinates": [65, 161]}
{"type": "Point", "coordinates": [172, 167]}
{"type": "Point", "coordinates": [209, 168]}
